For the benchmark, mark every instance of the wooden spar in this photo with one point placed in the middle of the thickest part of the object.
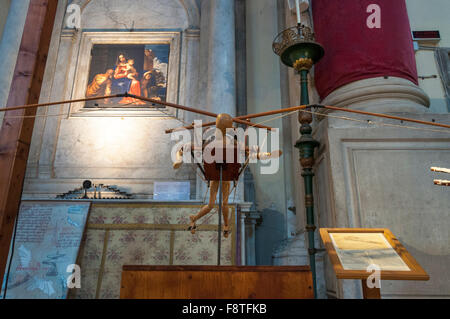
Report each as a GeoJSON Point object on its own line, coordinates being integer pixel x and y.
{"type": "Point", "coordinates": [392, 117]}
{"type": "Point", "coordinates": [16, 131]}
{"type": "Point", "coordinates": [177, 106]}
{"type": "Point", "coordinates": [245, 117]}
{"type": "Point", "coordinates": [237, 120]}
{"type": "Point", "coordinates": [294, 108]}
{"type": "Point", "coordinates": [190, 109]}
{"type": "Point", "coordinates": [441, 182]}
{"type": "Point", "coordinates": [33, 106]}
{"type": "Point", "coordinates": [29, 106]}
{"type": "Point", "coordinates": [440, 170]}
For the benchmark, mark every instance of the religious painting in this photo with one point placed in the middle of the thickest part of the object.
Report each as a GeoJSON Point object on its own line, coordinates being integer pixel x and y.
{"type": "Point", "coordinates": [139, 69]}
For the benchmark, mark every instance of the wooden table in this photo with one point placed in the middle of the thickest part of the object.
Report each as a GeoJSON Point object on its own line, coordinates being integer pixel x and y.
{"type": "Point", "coordinates": [216, 282]}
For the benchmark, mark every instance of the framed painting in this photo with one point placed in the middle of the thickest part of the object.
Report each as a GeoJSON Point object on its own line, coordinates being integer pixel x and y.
{"type": "Point", "coordinates": [140, 63]}
{"type": "Point", "coordinates": [139, 69]}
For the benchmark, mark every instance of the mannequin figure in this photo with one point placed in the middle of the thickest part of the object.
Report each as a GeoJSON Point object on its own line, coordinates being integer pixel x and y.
{"type": "Point", "coordinates": [223, 122]}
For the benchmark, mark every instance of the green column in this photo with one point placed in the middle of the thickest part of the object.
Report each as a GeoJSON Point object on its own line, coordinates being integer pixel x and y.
{"type": "Point", "coordinates": [297, 49]}
{"type": "Point", "coordinates": [306, 145]}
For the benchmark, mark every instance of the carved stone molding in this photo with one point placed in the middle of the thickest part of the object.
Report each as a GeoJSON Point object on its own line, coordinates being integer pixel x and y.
{"type": "Point", "coordinates": [380, 94]}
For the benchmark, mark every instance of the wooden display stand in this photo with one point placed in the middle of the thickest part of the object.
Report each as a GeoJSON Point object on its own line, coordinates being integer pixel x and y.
{"type": "Point", "coordinates": [212, 282]}
{"type": "Point", "coordinates": [348, 247]}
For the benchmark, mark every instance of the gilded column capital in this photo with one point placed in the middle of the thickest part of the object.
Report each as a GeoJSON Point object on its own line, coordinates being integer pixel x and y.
{"type": "Point", "coordinates": [303, 64]}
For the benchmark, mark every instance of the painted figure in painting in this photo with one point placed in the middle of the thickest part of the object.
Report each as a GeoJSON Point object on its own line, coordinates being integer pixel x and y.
{"type": "Point", "coordinates": [151, 82]}
{"type": "Point", "coordinates": [101, 85]}
{"type": "Point", "coordinates": [146, 84]}
{"type": "Point", "coordinates": [135, 87]}
{"type": "Point", "coordinates": [121, 81]}
{"type": "Point", "coordinates": [149, 56]}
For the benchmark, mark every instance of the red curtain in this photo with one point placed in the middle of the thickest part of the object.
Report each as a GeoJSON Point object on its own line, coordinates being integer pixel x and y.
{"type": "Point", "coordinates": [353, 51]}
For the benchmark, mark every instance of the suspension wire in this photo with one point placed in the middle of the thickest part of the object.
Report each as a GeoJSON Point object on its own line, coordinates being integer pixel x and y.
{"type": "Point", "coordinates": [247, 161]}
{"type": "Point", "coordinates": [46, 115]}
{"type": "Point", "coordinates": [206, 193]}
{"type": "Point", "coordinates": [254, 115]}
{"type": "Point", "coordinates": [212, 212]}
{"type": "Point", "coordinates": [265, 140]}
{"type": "Point", "coordinates": [85, 110]}
{"type": "Point", "coordinates": [375, 122]}
{"type": "Point", "coordinates": [359, 120]}
{"type": "Point", "coordinates": [215, 200]}
{"type": "Point", "coordinates": [276, 117]}
{"type": "Point", "coordinates": [175, 117]}
{"type": "Point", "coordinates": [195, 169]}
{"type": "Point", "coordinates": [198, 174]}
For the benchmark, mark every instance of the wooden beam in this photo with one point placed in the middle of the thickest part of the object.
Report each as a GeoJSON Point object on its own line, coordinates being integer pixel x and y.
{"type": "Point", "coordinates": [440, 170]}
{"type": "Point", "coordinates": [197, 111]}
{"type": "Point", "coordinates": [245, 117]}
{"type": "Point", "coordinates": [30, 106]}
{"type": "Point", "coordinates": [16, 133]}
{"type": "Point", "coordinates": [392, 117]}
{"type": "Point", "coordinates": [441, 182]}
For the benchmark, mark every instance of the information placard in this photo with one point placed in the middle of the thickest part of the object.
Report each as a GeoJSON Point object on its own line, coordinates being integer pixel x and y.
{"type": "Point", "coordinates": [355, 252]}
{"type": "Point", "coordinates": [45, 247]}
{"type": "Point", "coordinates": [171, 191]}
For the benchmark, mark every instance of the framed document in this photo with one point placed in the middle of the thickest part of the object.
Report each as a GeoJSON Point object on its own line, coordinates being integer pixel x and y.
{"type": "Point", "coordinates": [46, 243]}
{"type": "Point", "coordinates": [355, 251]}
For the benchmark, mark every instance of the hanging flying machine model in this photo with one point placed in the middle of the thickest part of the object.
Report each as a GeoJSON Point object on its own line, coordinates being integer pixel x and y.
{"type": "Point", "coordinates": [221, 166]}
{"type": "Point", "coordinates": [220, 173]}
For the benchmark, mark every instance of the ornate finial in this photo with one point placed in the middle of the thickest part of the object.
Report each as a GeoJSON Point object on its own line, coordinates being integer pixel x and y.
{"type": "Point", "coordinates": [303, 64]}
{"type": "Point", "coordinates": [292, 36]}
{"type": "Point", "coordinates": [297, 47]}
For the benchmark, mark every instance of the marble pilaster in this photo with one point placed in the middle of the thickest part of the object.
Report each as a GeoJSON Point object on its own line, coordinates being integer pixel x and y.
{"type": "Point", "coordinates": [252, 218]}
{"type": "Point", "coordinates": [59, 92]}
{"type": "Point", "coordinates": [217, 69]}
{"type": "Point", "coordinates": [218, 56]}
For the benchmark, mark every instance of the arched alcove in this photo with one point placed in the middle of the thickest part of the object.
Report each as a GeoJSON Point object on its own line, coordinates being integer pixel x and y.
{"type": "Point", "coordinates": [139, 14]}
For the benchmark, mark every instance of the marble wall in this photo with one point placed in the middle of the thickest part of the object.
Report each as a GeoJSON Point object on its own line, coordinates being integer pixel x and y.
{"type": "Point", "coordinates": [127, 148]}
{"type": "Point", "coordinates": [377, 176]}
{"type": "Point", "coordinates": [264, 92]}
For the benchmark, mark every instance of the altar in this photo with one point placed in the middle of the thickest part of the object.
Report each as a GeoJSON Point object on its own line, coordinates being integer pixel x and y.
{"type": "Point", "coordinates": [119, 234]}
